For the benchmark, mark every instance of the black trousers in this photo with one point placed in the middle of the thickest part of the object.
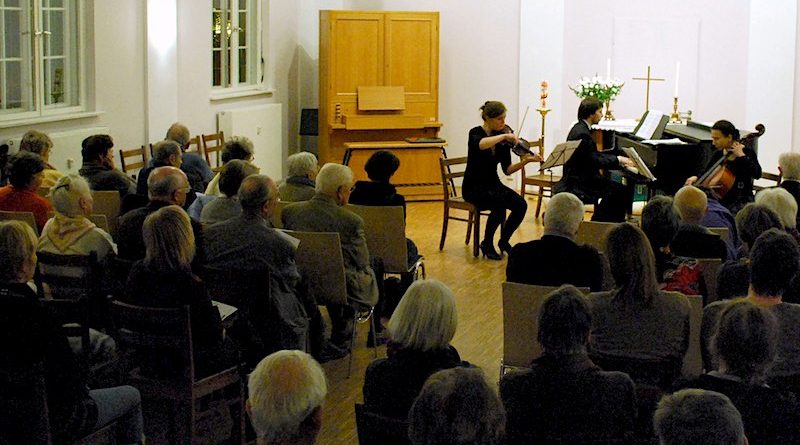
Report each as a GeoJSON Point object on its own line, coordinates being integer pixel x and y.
{"type": "Point", "coordinates": [615, 202]}
{"type": "Point", "coordinates": [499, 198]}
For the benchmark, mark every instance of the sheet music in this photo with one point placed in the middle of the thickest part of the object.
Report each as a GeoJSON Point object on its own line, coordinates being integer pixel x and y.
{"type": "Point", "coordinates": [225, 310]}
{"type": "Point", "coordinates": [560, 155]}
{"type": "Point", "coordinates": [641, 167]}
{"type": "Point", "coordinates": [673, 141]}
{"type": "Point", "coordinates": [650, 124]}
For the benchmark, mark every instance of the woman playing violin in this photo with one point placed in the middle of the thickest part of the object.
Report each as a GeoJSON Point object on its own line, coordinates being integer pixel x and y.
{"type": "Point", "coordinates": [731, 170]}
{"type": "Point", "coordinates": [490, 144]}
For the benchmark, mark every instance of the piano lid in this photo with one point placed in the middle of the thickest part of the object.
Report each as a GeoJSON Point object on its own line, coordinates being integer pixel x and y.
{"type": "Point", "coordinates": [694, 132]}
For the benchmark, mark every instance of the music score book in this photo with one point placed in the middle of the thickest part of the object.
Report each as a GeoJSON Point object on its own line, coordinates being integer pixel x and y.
{"type": "Point", "coordinates": [641, 167]}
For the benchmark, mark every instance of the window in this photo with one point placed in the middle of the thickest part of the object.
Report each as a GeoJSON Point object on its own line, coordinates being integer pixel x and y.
{"type": "Point", "coordinates": [40, 58]}
{"type": "Point", "coordinates": [235, 43]}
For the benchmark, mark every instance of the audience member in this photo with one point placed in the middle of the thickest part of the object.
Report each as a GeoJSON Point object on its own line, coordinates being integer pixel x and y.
{"type": "Point", "coordinates": [556, 256]}
{"type": "Point", "coordinates": [164, 153]}
{"type": "Point", "coordinates": [237, 147]}
{"type": "Point", "coordinates": [196, 168]}
{"type": "Point", "coordinates": [325, 213]}
{"type": "Point", "coordinates": [299, 186]}
{"type": "Point", "coordinates": [660, 223]}
{"type": "Point", "coordinates": [695, 416]}
{"type": "Point", "coordinates": [420, 332]}
{"type": "Point", "coordinates": [564, 397]}
{"type": "Point", "coordinates": [693, 239]}
{"type": "Point", "coordinates": [783, 204]}
{"type": "Point", "coordinates": [774, 261]}
{"type": "Point", "coordinates": [227, 205]}
{"type": "Point", "coordinates": [98, 166]}
{"type": "Point", "coordinates": [789, 169]}
{"type": "Point", "coordinates": [40, 144]}
{"type": "Point", "coordinates": [21, 194]}
{"type": "Point", "coordinates": [637, 320]}
{"type": "Point", "coordinates": [745, 344]}
{"type": "Point", "coordinates": [31, 335]}
{"type": "Point", "coordinates": [166, 186]}
{"type": "Point", "coordinates": [286, 393]}
{"type": "Point", "coordinates": [457, 407]}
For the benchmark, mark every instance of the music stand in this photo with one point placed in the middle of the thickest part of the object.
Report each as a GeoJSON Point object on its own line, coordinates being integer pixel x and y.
{"type": "Point", "coordinates": [560, 154]}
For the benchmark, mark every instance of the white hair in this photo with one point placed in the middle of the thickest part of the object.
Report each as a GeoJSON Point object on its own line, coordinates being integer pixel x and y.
{"type": "Point", "coordinates": [781, 202]}
{"type": "Point", "coordinates": [426, 317]}
{"type": "Point", "coordinates": [564, 214]}
{"type": "Point", "coordinates": [284, 389]}
{"type": "Point", "coordinates": [67, 192]}
{"type": "Point", "coordinates": [790, 165]}
{"type": "Point", "coordinates": [331, 177]}
{"type": "Point", "coordinates": [301, 164]}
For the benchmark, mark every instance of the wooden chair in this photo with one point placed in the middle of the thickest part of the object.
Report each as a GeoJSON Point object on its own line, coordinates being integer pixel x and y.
{"type": "Point", "coordinates": [693, 360]}
{"type": "Point", "coordinates": [133, 159]}
{"type": "Point", "coordinates": [156, 333]}
{"type": "Point", "coordinates": [723, 232]}
{"type": "Point", "coordinates": [769, 177]}
{"type": "Point", "coordinates": [452, 201]}
{"type": "Point", "coordinates": [385, 230]}
{"type": "Point", "coordinates": [542, 180]}
{"type": "Point", "coordinates": [521, 306]}
{"type": "Point", "coordinates": [108, 203]}
{"type": "Point", "coordinates": [594, 233]}
{"type": "Point", "coordinates": [319, 258]}
{"type": "Point", "coordinates": [212, 145]}
{"type": "Point", "coordinates": [26, 217]}
{"type": "Point", "coordinates": [710, 269]}
{"type": "Point", "coordinates": [195, 146]}
{"type": "Point", "coordinates": [275, 218]}
{"type": "Point", "coordinates": [375, 429]}
{"type": "Point", "coordinates": [73, 277]}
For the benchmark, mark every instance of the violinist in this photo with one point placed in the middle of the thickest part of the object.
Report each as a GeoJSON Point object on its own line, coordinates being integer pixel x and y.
{"type": "Point", "coordinates": [488, 145]}
{"type": "Point", "coordinates": [732, 169]}
{"type": "Point", "coordinates": [581, 175]}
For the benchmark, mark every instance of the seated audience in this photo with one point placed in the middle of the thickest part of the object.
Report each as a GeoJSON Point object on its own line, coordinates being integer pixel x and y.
{"type": "Point", "coordinates": [693, 239]}
{"type": "Point", "coordinates": [556, 259]}
{"type": "Point", "coordinates": [195, 167]}
{"type": "Point", "coordinates": [774, 261]}
{"type": "Point", "coordinates": [695, 416]}
{"type": "Point", "coordinates": [164, 153]}
{"type": "Point", "coordinates": [789, 169]}
{"type": "Point", "coordinates": [564, 397]}
{"type": "Point", "coordinates": [660, 223]}
{"type": "Point", "coordinates": [717, 215]}
{"type": "Point", "coordinates": [40, 144]}
{"type": "Point", "coordinates": [745, 344]}
{"type": "Point", "coordinates": [98, 166]}
{"type": "Point", "coordinates": [237, 147]}
{"type": "Point", "coordinates": [302, 170]}
{"type": "Point", "coordinates": [457, 407]}
{"type": "Point", "coordinates": [420, 332]}
{"type": "Point", "coordinates": [31, 335]}
{"type": "Point", "coordinates": [166, 186]}
{"type": "Point", "coordinates": [164, 278]}
{"type": "Point", "coordinates": [21, 194]}
{"type": "Point", "coordinates": [637, 320]}
{"type": "Point", "coordinates": [286, 392]}
{"type": "Point", "coordinates": [227, 205]}
{"type": "Point", "coordinates": [783, 204]}
{"type": "Point", "coordinates": [325, 213]}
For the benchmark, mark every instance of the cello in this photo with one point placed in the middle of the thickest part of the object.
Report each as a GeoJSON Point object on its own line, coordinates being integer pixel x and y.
{"type": "Point", "coordinates": [719, 179]}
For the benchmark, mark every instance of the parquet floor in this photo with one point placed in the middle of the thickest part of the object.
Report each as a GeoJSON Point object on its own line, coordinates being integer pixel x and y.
{"type": "Point", "coordinates": [476, 283]}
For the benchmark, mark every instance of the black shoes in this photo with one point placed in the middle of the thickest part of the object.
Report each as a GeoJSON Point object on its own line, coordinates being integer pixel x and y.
{"type": "Point", "coordinates": [331, 352]}
{"type": "Point", "coordinates": [487, 249]}
{"type": "Point", "coordinates": [505, 246]}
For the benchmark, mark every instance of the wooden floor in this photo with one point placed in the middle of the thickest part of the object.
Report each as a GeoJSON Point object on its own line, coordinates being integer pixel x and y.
{"type": "Point", "coordinates": [476, 283]}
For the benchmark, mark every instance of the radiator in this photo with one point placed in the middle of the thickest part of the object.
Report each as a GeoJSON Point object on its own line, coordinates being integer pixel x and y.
{"type": "Point", "coordinates": [264, 126]}
{"type": "Point", "coordinates": [66, 153]}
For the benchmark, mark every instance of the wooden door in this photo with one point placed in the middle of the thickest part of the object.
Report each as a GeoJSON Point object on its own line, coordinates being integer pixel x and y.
{"type": "Point", "coordinates": [356, 53]}
{"type": "Point", "coordinates": [412, 54]}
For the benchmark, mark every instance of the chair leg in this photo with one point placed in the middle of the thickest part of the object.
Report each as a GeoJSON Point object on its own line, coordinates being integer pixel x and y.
{"type": "Point", "coordinates": [444, 226]}
{"type": "Point", "coordinates": [374, 335]}
{"type": "Point", "coordinates": [477, 228]}
{"type": "Point", "coordinates": [469, 225]}
{"type": "Point", "coordinates": [539, 203]}
{"type": "Point", "coordinates": [352, 344]}
{"type": "Point", "coordinates": [522, 187]}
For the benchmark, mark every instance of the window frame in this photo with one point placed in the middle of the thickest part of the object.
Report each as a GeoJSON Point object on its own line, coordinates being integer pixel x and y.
{"type": "Point", "coordinates": [254, 48]}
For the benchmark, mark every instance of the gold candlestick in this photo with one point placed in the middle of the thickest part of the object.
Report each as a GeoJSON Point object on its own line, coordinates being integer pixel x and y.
{"type": "Point", "coordinates": [676, 117]}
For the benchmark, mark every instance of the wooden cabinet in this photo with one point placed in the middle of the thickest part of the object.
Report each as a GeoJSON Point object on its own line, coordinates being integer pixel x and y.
{"type": "Point", "coordinates": [376, 49]}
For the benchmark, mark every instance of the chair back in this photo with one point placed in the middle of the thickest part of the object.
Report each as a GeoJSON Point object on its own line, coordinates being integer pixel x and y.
{"type": "Point", "coordinates": [26, 217]}
{"type": "Point", "coordinates": [24, 416]}
{"type": "Point", "coordinates": [108, 203]}
{"type": "Point", "coordinates": [385, 230]}
{"type": "Point", "coordinates": [118, 270]}
{"type": "Point", "coordinates": [692, 360]}
{"type": "Point", "coordinates": [275, 218]}
{"type": "Point", "coordinates": [68, 277]}
{"type": "Point", "coordinates": [723, 232]}
{"type": "Point", "coordinates": [769, 177]}
{"type": "Point", "coordinates": [521, 306]}
{"type": "Point", "coordinates": [212, 146]}
{"type": "Point", "coordinates": [133, 159]}
{"type": "Point", "coordinates": [73, 315]}
{"type": "Point", "coordinates": [449, 176]}
{"type": "Point", "coordinates": [375, 429]}
{"type": "Point", "coordinates": [319, 259]}
{"type": "Point", "coordinates": [710, 267]}
{"type": "Point", "coordinates": [195, 146]}
{"type": "Point", "coordinates": [657, 372]}
{"type": "Point", "coordinates": [594, 233]}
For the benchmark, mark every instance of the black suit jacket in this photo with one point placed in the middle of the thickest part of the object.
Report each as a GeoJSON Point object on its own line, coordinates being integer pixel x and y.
{"type": "Point", "coordinates": [553, 261]}
{"type": "Point", "coordinates": [698, 242]}
{"type": "Point", "coordinates": [581, 174]}
{"type": "Point", "coordinates": [793, 187]}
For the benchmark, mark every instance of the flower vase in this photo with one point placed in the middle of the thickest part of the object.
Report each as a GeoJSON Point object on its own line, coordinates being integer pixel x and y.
{"type": "Point", "coordinates": [609, 116]}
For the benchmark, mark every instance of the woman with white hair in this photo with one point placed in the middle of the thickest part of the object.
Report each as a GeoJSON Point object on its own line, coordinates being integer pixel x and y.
{"type": "Point", "coordinates": [783, 203]}
{"type": "Point", "coordinates": [299, 186]}
{"type": "Point", "coordinates": [70, 232]}
{"type": "Point", "coordinates": [40, 143]}
{"type": "Point", "coordinates": [420, 332]}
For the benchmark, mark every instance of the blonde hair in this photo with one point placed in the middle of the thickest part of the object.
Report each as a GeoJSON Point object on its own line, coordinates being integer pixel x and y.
{"type": "Point", "coordinates": [790, 165]}
{"type": "Point", "coordinates": [781, 202]}
{"type": "Point", "coordinates": [66, 194]}
{"type": "Point", "coordinates": [426, 317]}
{"type": "Point", "coordinates": [691, 204]}
{"type": "Point", "coordinates": [17, 248]}
{"type": "Point", "coordinates": [168, 239]}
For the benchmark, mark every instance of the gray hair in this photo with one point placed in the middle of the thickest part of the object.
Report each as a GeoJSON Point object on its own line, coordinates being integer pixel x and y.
{"type": "Point", "coordinates": [301, 164]}
{"type": "Point", "coordinates": [790, 165]}
{"type": "Point", "coordinates": [237, 147]}
{"type": "Point", "coordinates": [254, 192]}
{"type": "Point", "coordinates": [331, 177]}
{"type": "Point", "coordinates": [67, 192]}
{"type": "Point", "coordinates": [285, 388]}
{"type": "Point", "coordinates": [691, 203]}
{"type": "Point", "coordinates": [164, 181]}
{"type": "Point", "coordinates": [564, 214]}
{"type": "Point", "coordinates": [35, 142]}
{"type": "Point", "coordinates": [781, 202]}
{"type": "Point", "coordinates": [426, 317]}
{"type": "Point", "coordinates": [698, 416]}
{"type": "Point", "coordinates": [178, 133]}
{"type": "Point", "coordinates": [162, 150]}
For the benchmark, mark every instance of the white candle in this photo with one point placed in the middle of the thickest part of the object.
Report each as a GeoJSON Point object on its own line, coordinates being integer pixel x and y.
{"type": "Point", "coordinates": [608, 68]}
{"type": "Point", "coordinates": [677, 76]}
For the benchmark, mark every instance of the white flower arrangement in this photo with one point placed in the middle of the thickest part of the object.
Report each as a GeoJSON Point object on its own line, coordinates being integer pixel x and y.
{"type": "Point", "coordinates": [602, 89]}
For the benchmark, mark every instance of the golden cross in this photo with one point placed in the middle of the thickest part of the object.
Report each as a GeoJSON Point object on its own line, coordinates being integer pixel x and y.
{"type": "Point", "coordinates": [647, 94]}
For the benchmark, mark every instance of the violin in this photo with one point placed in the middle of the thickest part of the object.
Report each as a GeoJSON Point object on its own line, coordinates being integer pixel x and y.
{"type": "Point", "coordinates": [521, 148]}
{"type": "Point", "coordinates": [719, 179]}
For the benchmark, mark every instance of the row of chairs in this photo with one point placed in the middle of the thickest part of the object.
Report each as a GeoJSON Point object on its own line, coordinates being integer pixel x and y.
{"type": "Point", "coordinates": [105, 213]}
{"type": "Point", "coordinates": [207, 145]}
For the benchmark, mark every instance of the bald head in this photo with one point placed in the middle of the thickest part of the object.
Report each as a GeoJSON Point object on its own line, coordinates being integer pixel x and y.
{"type": "Point", "coordinates": [168, 184]}
{"type": "Point", "coordinates": [257, 195]}
{"type": "Point", "coordinates": [691, 203]}
{"type": "Point", "coordinates": [178, 133]}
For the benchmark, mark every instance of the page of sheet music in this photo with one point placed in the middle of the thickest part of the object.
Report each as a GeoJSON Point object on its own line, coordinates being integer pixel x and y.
{"type": "Point", "coordinates": [650, 124]}
{"type": "Point", "coordinates": [641, 167]}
